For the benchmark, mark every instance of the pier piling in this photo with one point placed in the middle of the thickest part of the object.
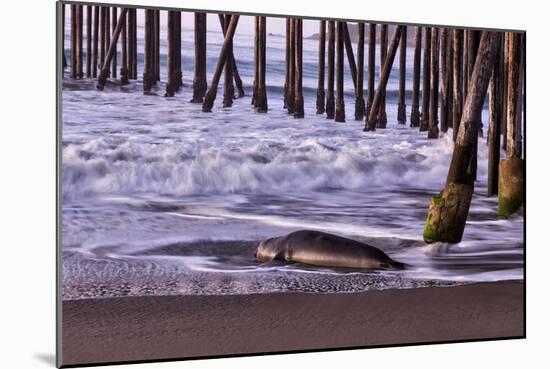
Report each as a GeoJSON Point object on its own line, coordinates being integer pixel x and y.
{"type": "Point", "coordinates": [298, 96]}
{"type": "Point", "coordinates": [425, 115]}
{"type": "Point", "coordinates": [415, 112]}
{"type": "Point", "coordinates": [458, 37]}
{"type": "Point", "coordinates": [359, 100]}
{"type": "Point", "coordinates": [340, 113]}
{"type": "Point", "coordinates": [433, 128]}
{"type": "Point", "coordinates": [171, 83]}
{"type": "Point", "coordinates": [330, 103]}
{"type": "Point", "coordinates": [104, 73]}
{"type": "Point", "coordinates": [349, 54]}
{"type": "Point", "coordinates": [261, 97]}
{"type": "Point", "coordinates": [149, 77]}
{"type": "Point", "coordinates": [124, 50]}
{"type": "Point", "coordinates": [199, 76]}
{"type": "Point", "coordinates": [445, 79]}
{"type": "Point", "coordinates": [496, 94]}
{"type": "Point", "coordinates": [89, 41]}
{"type": "Point", "coordinates": [228, 91]}
{"type": "Point", "coordinates": [320, 103]}
{"type": "Point", "coordinates": [401, 106]}
{"type": "Point", "coordinates": [382, 116]}
{"type": "Point", "coordinates": [371, 66]}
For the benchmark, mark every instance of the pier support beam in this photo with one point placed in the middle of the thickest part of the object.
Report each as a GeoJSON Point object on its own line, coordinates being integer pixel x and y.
{"type": "Point", "coordinates": [132, 44]}
{"type": "Point", "coordinates": [449, 210]}
{"type": "Point", "coordinates": [224, 52]}
{"type": "Point", "coordinates": [111, 50]}
{"type": "Point", "coordinates": [382, 116]}
{"type": "Point", "coordinates": [370, 122]}
{"type": "Point", "coordinates": [340, 113]}
{"type": "Point", "coordinates": [254, 100]}
{"type": "Point", "coordinates": [89, 37]}
{"type": "Point", "coordinates": [149, 77]}
{"type": "Point", "coordinates": [156, 45]}
{"type": "Point", "coordinates": [433, 128]}
{"type": "Point", "coordinates": [95, 46]}
{"type": "Point", "coordinates": [458, 38]}
{"type": "Point", "coordinates": [298, 96]}
{"type": "Point", "coordinates": [446, 79]}
{"type": "Point", "coordinates": [287, 64]}
{"type": "Point", "coordinates": [349, 54]}
{"type": "Point", "coordinates": [329, 106]}
{"type": "Point", "coordinates": [102, 36]}
{"type": "Point", "coordinates": [371, 66]}
{"type": "Point", "coordinates": [171, 83]}
{"type": "Point", "coordinates": [359, 100]}
{"type": "Point", "coordinates": [199, 76]}
{"type": "Point", "coordinates": [114, 61]}
{"type": "Point", "coordinates": [63, 35]}
{"type": "Point", "coordinates": [511, 170]}
{"type": "Point", "coordinates": [79, 40]}
{"type": "Point", "coordinates": [292, 67]}
{"type": "Point", "coordinates": [401, 106]}
{"type": "Point", "coordinates": [425, 115]}
{"type": "Point", "coordinates": [236, 75]}
{"type": "Point", "coordinates": [320, 103]}
{"type": "Point", "coordinates": [228, 91]}
{"type": "Point", "coordinates": [261, 106]}
{"type": "Point", "coordinates": [415, 112]}
{"type": "Point", "coordinates": [496, 94]}
{"type": "Point", "coordinates": [74, 36]}
{"type": "Point", "coordinates": [124, 49]}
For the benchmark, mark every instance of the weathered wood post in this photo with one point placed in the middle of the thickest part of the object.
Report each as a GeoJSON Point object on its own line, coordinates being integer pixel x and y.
{"type": "Point", "coordinates": [292, 67]}
{"type": "Point", "coordinates": [320, 103]}
{"type": "Point", "coordinates": [199, 76]}
{"type": "Point", "coordinates": [349, 54]}
{"type": "Point", "coordinates": [102, 36]}
{"type": "Point", "coordinates": [415, 112]}
{"type": "Point", "coordinates": [287, 64]}
{"type": "Point", "coordinates": [254, 100]}
{"type": "Point", "coordinates": [370, 122]}
{"type": "Point", "coordinates": [371, 66]}
{"type": "Point", "coordinates": [228, 91]}
{"type": "Point", "coordinates": [114, 61]}
{"type": "Point", "coordinates": [433, 128]}
{"type": "Point", "coordinates": [236, 75]}
{"type": "Point", "coordinates": [171, 83]}
{"type": "Point", "coordinates": [340, 113]}
{"type": "Point", "coordinates": [457, 80]}
{"type": "Point", "coordinates": [504, 127]}
{"type": "Point", "coordinates": [95, 46]}
{"type": "Point", "coordinates": [74, 36]}
{"type": "Point", "coordinates": [496, 93]}
{"type": "Point", "coordinates": [329, 106]}
{"type": "Point", "coordinates": [148, 53]}
{"type": "Point", "coordinates": [79, 40]}
{"type": "Point", "coordinates": [107, 26]}
{"type": "Point", "coordinates": [473, 45]}
{"type": "Point", "coordinates": [224, 52]}
{"type": "Point", "coordinates": [177, 58]}
{"type": "Point", "coordinates": [89, 37]}
{"type": "Point", "coordinates": [425, 115]}
{"type": "Point", "coordinates": [511, 170]}
{"type": "Point", "coordinates": [359, 100]}
{"type": "Point", "coordinates": [262, 94]}
{"type": "Point", "coordinates": [382, 116]}
{"type": "Point", "coordinates": [124, 50]}
{"type": "Point", "coordinates": [132, 41]}
{"type": "Point", "coordinates": [104, 73]}
{"type": "Point", "coordinates": [156, 45]}
{"type": "Point", "coordinates": [298, 97]}
{"type": "Point", "coordinates": [445, 79]}
{"type": "Point", "coordinates": [449, 210]}
{"type": "Point", "coordinates": [401, 106]}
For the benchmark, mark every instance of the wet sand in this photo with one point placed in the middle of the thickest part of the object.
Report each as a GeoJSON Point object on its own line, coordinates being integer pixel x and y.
{"type": "Point", "coordinates": [164, 327]}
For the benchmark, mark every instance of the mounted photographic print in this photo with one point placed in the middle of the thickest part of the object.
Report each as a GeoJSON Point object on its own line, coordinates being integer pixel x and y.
{"type": "Point", "coordinates": [235, 184]}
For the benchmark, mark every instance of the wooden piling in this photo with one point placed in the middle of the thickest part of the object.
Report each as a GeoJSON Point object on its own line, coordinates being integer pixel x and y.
{"type": "Point", "coordinates": [349, 53]}
{"type": "Point", "coordinates": [79, 40]}
{"type": "Point", "coordinates": [292, 67]}
{"type": "Point", "coordinates": [371, 66]}
{"type": "Point", "coordinates": [148, 53]}
{"type": "Point", "coordinates": [445, 79]}
{"type": "Point", "coordinates": [472, 46]}
{"type": "Point", "coordinates": [496, 94]}
{"type": "Point", "coordinates": [262, 94]}
{"type": "Point", "coordinates": [433, 128]}
{"type": "Point", "coordinates": [415, 112]}
{"type": "Point", "coordinates": [511, 170]}
{"type": "Point", "coordinates": [156, 45]}
{"type": "Point", "coordinates": [340, 112]}
{"type": "Point", "coordinates": [178, 79]}
{"type": "Point", "coordinates": [95, 45]}
{"type": "Point", "coordinates": [374, 114]}
{"type": "Point", "coordinates": [458, 36]}
{"type": "Point", "coordinates": [74, 36]}
{"type": "Point", "coordinates": [114, 61]}
{"type": "Point", "coordinates": [124, 50]}
{"type": "Point", "coordinates": [228, 92]}
{"type": "Point", "coordinates": [504, 127]}
{"type": "Point", "coordinates": [425, 114]}
{"type": "Point", "coordinates": [449, 210]}
{"type": "Point", "coordinates": [89, 41]}
{"type": "Point", "coordinates": [255, 82]}
{"type": "Point", "coordinates": [359, 100]}
{"type": "Point", "coordinates": [224, 52]}
{"type": "Point", "coordinates": [171, 83]}
{"type": "Point", "coordinates": [199, 77]}
{"type": "Point", "coordinates": [320, 103]}
{"type": "Point", "coordinates": [382, 116]}
{"type": "Point", "coordinates": [107, 26]}
{"type": "Point", "coordinates": [104, 73]}
{"type": "Point", "coordinates": [63, 35]}
{"type": "Point", "coordinates": [236, 75]}
{"type": "Point", "coordinates": [329, 106]}
{"type": "Point", "coordinates": [298, 96]}
{"type": "Point", "coordinates": [401, 106]}
{"type": "Point", "coordinates": [102, 36]}
{"type": "Point", "coordinates": [132, 44]}
{"type": "Point", "coordinates": [287, 64]}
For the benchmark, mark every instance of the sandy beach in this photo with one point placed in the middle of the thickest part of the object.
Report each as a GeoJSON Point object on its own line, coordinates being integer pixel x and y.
{"type": "Point", "coordinates": [163, 327]}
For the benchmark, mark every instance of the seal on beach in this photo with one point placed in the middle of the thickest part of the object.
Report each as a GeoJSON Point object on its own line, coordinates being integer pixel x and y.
{"type": "Point", "coordinates": [324, 249]}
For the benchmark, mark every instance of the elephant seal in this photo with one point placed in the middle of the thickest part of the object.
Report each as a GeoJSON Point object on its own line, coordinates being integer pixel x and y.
{"type": "Point", "coordinates": [324, 249]}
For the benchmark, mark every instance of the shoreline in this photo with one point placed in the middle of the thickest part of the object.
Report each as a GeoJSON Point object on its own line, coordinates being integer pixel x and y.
{"type": "Point", "coordinates": [108, 330]}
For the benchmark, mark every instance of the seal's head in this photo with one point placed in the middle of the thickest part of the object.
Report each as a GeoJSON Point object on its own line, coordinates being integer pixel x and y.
{"type": "Point", "coordinates": [267, 249]}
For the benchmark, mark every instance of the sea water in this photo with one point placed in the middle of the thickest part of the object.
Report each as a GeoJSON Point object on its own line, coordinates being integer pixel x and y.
{"type": "Point", "coordinates": [161, 198]}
